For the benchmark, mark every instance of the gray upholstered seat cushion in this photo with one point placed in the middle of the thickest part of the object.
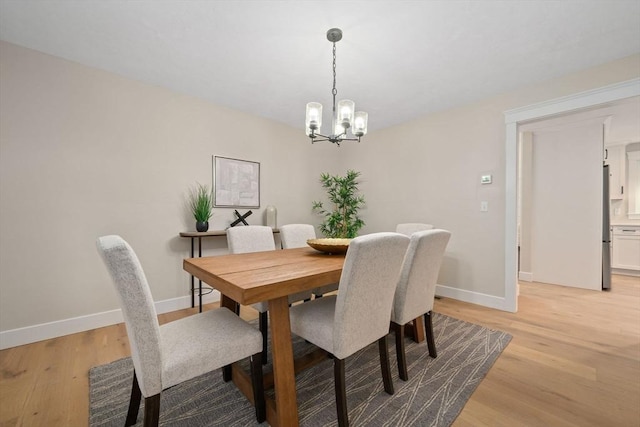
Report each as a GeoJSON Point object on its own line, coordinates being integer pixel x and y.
{"type": "Point", "coordinates": [201, 343]}
{"type": "Point", "coordinates": [313, 320]}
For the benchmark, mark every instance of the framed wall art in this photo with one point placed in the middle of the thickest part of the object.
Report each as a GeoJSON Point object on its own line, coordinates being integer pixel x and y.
{"type": "Point", "coordinates": [236, 183]}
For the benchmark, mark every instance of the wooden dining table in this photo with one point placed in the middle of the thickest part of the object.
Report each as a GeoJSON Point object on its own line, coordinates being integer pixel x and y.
{"type": "Point", "coordinates": [270, 276]}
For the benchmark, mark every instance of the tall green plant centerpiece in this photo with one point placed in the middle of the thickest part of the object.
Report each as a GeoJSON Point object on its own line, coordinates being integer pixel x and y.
{"type": "Point", "coordinates": [201, 205]}
{"type": "Point", "coordinates": [342, 220]}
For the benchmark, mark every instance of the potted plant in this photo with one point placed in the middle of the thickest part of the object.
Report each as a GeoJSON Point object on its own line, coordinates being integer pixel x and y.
{"type": "Point", "coordinates": [201, 204]}
{"type": "Point", "coordinates": [342, 221]}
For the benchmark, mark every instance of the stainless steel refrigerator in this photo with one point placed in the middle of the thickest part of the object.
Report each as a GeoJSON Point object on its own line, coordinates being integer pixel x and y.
{"type": "Point", "coordinates": [606, 231]}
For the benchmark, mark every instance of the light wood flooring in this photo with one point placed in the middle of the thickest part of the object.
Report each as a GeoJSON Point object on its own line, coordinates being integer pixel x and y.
{"type": "Point", "coordinates": [574, 360]}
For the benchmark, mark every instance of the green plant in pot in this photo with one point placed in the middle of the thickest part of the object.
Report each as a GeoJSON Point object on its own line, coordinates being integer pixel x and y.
{"type": "Point", "coordinates": [342, 220]}
{"type": "Point", "coordinates": [201, 205]}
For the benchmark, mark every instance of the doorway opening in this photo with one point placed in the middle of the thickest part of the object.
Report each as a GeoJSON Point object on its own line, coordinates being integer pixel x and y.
{"type": "Point", "coordinates": [514, 119]}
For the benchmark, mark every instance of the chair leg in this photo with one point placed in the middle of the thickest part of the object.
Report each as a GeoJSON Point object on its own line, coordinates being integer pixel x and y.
{"type": "Point", "coordinates": [400, 352]}
{"type": "Point", "coordinates": [134, 402]}
{"type": "Point", "coordinates": [151, 411]}
{"type": "Point", "coordinates": [341, 392]}
{"type": "Point", "coordinates": [431, 343]}
{"type": "Point", "coordinates": [258, 387]}
{"type": "Point", "coordinates": [227, 373]}
{"type": "Point", "coordinates": [264, 328]}
{"type": "Point", "coordinates": [385, 365]}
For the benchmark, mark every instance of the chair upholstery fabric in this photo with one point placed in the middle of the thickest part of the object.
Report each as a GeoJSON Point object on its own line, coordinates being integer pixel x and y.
{"type": "Point", "coordinates": [411, 227]}
{"type": "Point", "coordinates": [296, 235]}
{"type": "Point", "coordinates": [166, 355]}
{"type": "Point", "coordinates": [257, 238]}
{"type": "Point", "coordinates": [251, 238]}
{"type": "Point", "coordinates": [416, 287]}
{"type": "Point", "coordinates": [360, 313]}
{"type": "Point", "coordinates": [138, 310]}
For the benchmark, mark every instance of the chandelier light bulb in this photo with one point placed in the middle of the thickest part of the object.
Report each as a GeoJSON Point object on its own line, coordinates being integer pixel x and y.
{"type": "Point", "coordinates": [313, 121]}
{"type": "Point", "coordinates": [360, 123]}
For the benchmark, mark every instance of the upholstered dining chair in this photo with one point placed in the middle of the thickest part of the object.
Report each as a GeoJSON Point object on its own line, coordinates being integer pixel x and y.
{"type": "Point", "coordinates": [409, 228]}
{"type": "Point", "coordinates": [296, 236]}
{"type": "Point", "coordinates": [416, 288]}
{"type": "Point", "coordinates": [359, 314]}
{"type": "Point", "coordinates": [258, 238]}
{"type": "Point", "coordinates": [169, 354]}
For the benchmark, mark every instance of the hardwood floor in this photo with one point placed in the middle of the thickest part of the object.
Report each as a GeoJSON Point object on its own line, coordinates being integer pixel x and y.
{"type": "Point", "coordinates": [574, 360]}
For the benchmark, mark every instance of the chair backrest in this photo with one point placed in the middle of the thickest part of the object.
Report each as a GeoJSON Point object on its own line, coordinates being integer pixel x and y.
{"type": "Point", "coordinates": [250, 238]}
{"type": "Point", "coordinates": [366, 290]}
{"type": "Point", "coordinates": [296, 235]}
{"type": "Point", "coordinates": [417, 283]}
{"type": "Point", "coordinates": [138, 310]}
{"type": "Point", "coordinates": [411, 227]}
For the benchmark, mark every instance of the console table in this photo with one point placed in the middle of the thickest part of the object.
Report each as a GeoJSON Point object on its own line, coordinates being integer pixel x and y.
{"type": "Point", "coordinates": [193, 235]}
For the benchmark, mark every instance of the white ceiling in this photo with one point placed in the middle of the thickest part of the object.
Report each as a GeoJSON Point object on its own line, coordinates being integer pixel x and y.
{"type": "Point", "coordinates": [398, 59]}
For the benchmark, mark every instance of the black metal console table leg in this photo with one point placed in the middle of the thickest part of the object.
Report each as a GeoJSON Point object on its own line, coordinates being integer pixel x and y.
{"type": "Point", "coordinates": [193, 286]}
{"type": "Point", "coordinates": [200, 281]}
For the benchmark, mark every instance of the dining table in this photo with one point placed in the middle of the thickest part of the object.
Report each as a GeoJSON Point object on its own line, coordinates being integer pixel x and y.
{"type": "Point", "coordinates": [271, 276]}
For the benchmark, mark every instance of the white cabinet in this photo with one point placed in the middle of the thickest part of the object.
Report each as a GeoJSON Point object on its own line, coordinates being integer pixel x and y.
{"type": "Point", "coordinates": [615, 157]}
{"type": "Point", "coordinates": [626, 247]}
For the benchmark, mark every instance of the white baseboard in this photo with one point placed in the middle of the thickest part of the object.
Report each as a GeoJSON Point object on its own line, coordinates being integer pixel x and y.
{"type": "Point", "coordinates": [45, 331]}
{"type": "Point", "coordinates": [525, 276]}
{"type": "Point", "coordinates": [485, 300]}
{"type": "Point", "coordinates": [625, 272]}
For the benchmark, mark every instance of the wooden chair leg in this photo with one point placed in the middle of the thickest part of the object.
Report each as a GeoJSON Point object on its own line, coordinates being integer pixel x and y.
{"type": "Point", "coordinates": [264, 328]}
{"type": "Point", "coordinates": [151, 411]}
{"type": "Point", "coordinates": [431, 343]}
{"type": "Point", "coordinates": [258, 387]}
{"type": "Point", "coordinates": [226, 373]}
{"type": "Point", "coordinates": [341, 392]}
{"type": "Point", "coordinates": [400, 352]}
{"type": "Point", "coordinates": [385, 365]}
{"type": "Point", "coordinates": [134, 402]}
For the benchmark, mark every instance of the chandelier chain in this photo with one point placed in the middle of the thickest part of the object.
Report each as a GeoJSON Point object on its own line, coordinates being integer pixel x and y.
{"type": "Point", "coordinates": [334, 91]}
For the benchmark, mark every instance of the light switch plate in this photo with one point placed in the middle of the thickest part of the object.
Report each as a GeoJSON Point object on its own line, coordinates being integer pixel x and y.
{"type": "Point", "coordinates": [486, 179]}
{"type": "Point", "coordinates": [484, 206]}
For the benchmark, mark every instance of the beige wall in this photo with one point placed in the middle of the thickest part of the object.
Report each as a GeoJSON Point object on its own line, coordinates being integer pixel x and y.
{"type": "Point", "coordinates": [429, 170]}
{"type": "Point", "coordinates": [86, 153]}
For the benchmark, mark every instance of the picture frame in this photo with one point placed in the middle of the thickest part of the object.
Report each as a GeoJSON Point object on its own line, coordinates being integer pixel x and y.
{"type": "Point", "coordinates": [236, 183]}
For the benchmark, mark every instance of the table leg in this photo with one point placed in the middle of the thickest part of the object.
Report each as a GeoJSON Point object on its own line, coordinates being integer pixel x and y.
{"type": "Point", "coordinates": [283, 368]}
{"type": "Point", "coordinates": [225, 301]}
{"type": "Point", "coordinates": [415, 330]}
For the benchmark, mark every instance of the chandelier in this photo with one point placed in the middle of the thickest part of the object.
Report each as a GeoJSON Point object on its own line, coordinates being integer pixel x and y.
{"type": "Point", "coordinates": [344, 117]}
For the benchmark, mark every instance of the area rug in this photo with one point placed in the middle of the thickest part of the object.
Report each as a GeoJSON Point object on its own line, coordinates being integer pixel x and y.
{"type": "Point", "coordinates": [434, 395]}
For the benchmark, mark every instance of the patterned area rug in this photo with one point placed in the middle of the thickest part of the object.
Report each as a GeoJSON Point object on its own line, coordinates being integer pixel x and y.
{"type": "Point", "coordinates": [435, 394]}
